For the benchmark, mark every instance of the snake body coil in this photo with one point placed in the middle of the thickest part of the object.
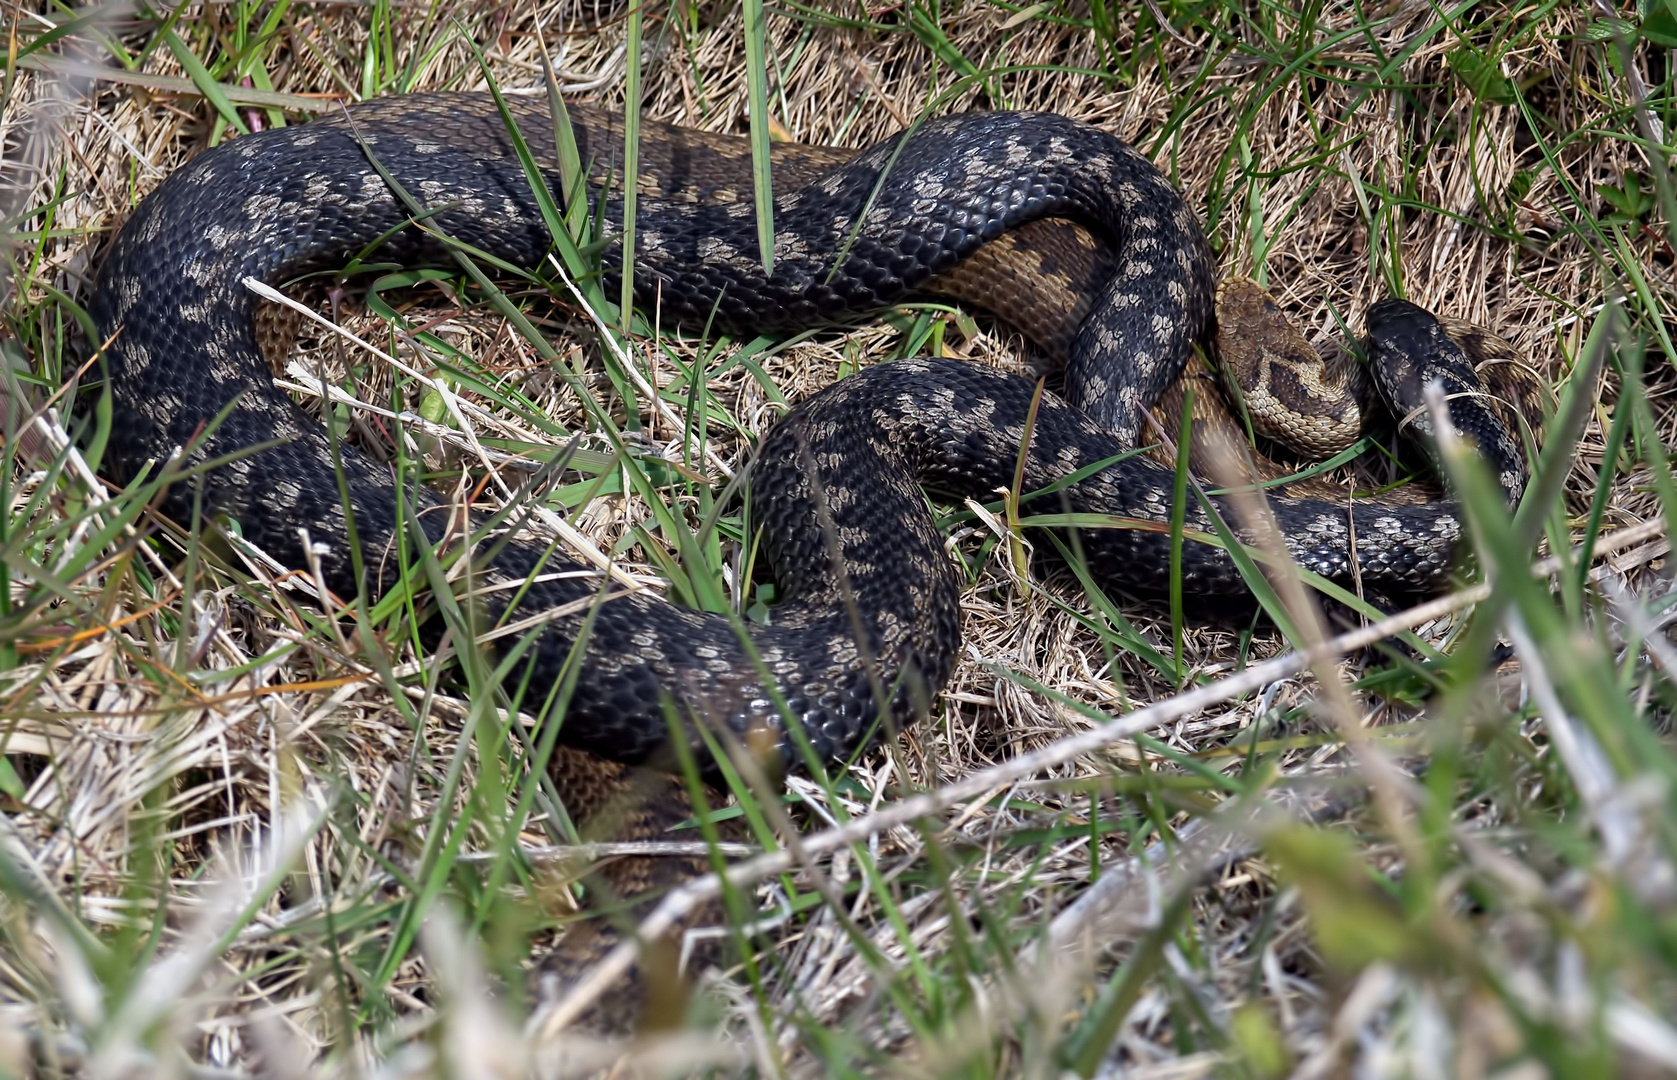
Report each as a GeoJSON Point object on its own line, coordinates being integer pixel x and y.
{"type": "Point", "coordinates": [869, 616]}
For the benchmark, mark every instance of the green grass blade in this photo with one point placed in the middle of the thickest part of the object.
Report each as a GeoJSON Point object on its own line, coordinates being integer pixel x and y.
{"type": "Point", "coordinates": [757, 94]}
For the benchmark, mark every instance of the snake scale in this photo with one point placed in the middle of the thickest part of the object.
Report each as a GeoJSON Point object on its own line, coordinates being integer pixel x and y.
{"type": "Point", "coordinates": [866, 630]}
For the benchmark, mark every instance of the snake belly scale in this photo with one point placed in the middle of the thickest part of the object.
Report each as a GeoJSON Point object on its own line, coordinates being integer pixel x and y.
{"type": "Point", "coordinates": [867, 628]}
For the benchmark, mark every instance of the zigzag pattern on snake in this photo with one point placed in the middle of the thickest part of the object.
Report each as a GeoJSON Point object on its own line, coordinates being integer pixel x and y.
{"type": "Point", "coordinates": [867, 629]}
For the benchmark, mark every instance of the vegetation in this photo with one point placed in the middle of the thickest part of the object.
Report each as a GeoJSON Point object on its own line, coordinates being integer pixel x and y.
{"type": "Point", "coordinates": [239, 834]}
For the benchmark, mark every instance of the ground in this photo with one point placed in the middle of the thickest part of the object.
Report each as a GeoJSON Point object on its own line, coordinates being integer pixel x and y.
{"type": "Point", "coordinates": [238, 838]}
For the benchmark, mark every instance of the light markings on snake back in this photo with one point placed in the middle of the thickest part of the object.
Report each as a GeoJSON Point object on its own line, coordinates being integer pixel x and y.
{"type": "Point", "coordinates": [200, 272]}
{"type": "Point", "coordinates": [139, 358]}
{"type": "Point", "coordinates": [321, 189]}
{"type": "Point", "coordinates": [220, 237]}
{"type": "Point", "coordinates": [149, 228]}
{"type": "Point", "coordinates": [165, 403]}
{"type": "Point", "coordinates": [203, 176]}
{"type": "Point", "coordinates": [712, 249]}
{"type": "Point", "coordinates": [839, 498]}
{"type": "Point", "coordinates": [789, 245]}
{"type": "Point", "coordinates": [258, 207]}
{"type": "Point", "coordinates": [841, 650]}
{"type": "Point", "coordinates": [982, 410]}
{"type": "Point", "coordinates": [928, 185]}
{"type": "Point", "coordinates": [891, 628]}
{"type": "Point", "coordinates": [203, 312]}
{"type": "Point", "coordinates": [128, 292]}
{"type": "Point", "coordinates": [1129, 406]}
{"type": "Point", "coordinates": [852, 535]}
{"type": "Point", "coordinates": [286, 426]}
{"type": "Point", "coordinates": [374, 189]}
{"type": "Point", "coordinates": [887, 420]}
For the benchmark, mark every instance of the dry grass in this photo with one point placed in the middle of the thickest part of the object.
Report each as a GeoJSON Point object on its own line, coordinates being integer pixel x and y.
{"type": "Point", "coordinates": [220, 819]}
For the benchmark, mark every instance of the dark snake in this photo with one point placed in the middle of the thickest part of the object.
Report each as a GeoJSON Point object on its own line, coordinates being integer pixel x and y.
{"type": "Point", "coordinates": [866, 629]}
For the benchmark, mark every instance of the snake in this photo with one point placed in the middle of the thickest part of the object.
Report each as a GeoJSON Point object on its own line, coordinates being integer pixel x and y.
{"type": "Point", "coordinates": [836, 486]}
{"type": "Point", "coordinates": [1056, 226]}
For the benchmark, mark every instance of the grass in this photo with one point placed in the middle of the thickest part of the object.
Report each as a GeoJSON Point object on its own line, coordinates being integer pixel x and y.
{"type": "Point", "coordinates": [239, 836]}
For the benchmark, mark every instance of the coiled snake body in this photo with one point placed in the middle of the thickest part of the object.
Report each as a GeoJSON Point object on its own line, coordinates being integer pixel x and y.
{"type": "Point", "coordinates": [868, 619]}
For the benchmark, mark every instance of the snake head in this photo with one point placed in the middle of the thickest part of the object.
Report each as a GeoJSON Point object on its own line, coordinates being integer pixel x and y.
{"type": "Point", "coordinates": [1410, 349]}
{"type": "Point", "coordinates": [1292, 395]}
